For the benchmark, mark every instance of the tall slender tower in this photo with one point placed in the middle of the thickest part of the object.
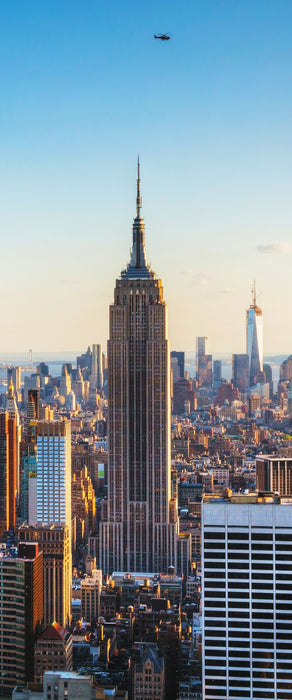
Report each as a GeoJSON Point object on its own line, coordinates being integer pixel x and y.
{"type": "Point", "coordinates": [139, 522]}
{"type": "Point", "coordinates": [8, 442]}
{"type": "Point", "coordinates": [254, 339]}
{"type": "Point", "coordinates": [96, 377]}
{"type": "Point", "coordinates": [13, 413]}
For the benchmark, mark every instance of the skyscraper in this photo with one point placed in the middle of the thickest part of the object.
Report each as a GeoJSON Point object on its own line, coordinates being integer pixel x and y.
{"type": "Point", "coordinates": [96, 376]}
{"type": "Point", "coordinates": [201, 343]}
{"type": "Point", "coordinates": [14, 373]}
{"type": "Point", "coordinates": [274, 474]}
{"type": "Point", "coordinates": [21, 614]}
{"type": "Point", "coordinates": [53, 526]}
{"type": "Point", "coordinates": [54, 542]}
{"type": "Point", "coordinates": [139, 524]}
{"type": "Point", "coordinates": [246, 596]}
{"type": "Point", "coordinates": [203, 363]}
{"type": "Point", "coordinates": [217, 373]}
{"type": "Point", "coordinates": [254, 340]}
{"type": "Point", "coordinates": [180, 357]}
{"type": "Point", "coordinates": [54, 472]}
{"type": "Point", "coordinates": [204, 373]}
{"type": "Point", "coordinates": [240, 371]}
{"type": "Point", "coordinates": [15, 431]}
{"type": "Point", "coordinates": [7, 472]}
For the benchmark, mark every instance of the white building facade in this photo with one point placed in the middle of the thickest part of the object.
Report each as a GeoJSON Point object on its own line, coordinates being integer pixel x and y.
{"type": "Point", "coordinates": [246, 596]}
{"type": "Point", "coordinates": [54, 472]}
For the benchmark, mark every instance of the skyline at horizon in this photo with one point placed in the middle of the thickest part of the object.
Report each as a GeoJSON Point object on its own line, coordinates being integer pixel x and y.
{"type": "Point", "coordinates": [87, 88]}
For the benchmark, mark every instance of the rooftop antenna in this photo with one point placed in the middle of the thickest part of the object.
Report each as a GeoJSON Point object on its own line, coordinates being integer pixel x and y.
{"type": "Point", "coordinates": [138, 198]}
{"type": "Point", "coordinates": [254, 294]}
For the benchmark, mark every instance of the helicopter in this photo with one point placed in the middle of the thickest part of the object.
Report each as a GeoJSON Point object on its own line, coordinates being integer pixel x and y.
{"type": "Point", "coordinates": [162, 37]}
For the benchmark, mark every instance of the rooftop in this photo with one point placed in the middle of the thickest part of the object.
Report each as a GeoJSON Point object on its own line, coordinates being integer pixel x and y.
{"type": "Point", "coordinates": [257, 498]}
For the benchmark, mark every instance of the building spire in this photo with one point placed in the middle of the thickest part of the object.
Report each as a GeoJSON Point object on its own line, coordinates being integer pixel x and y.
{"type": "Point", "coordinates": [138, 198]}
{"type": "Point", "coordinates": [254, 294]}
{"type": "Point", "coordinates": [138, 267]}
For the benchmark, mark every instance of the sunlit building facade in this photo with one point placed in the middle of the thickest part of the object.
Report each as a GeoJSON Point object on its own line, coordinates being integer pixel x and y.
{"type": "Point", "coordinates": [246, 598]}
{"type": "Point", "coordinates": [54, 472]}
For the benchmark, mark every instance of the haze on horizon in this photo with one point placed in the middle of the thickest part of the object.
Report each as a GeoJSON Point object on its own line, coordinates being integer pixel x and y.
{"type": "Point", "coordinates": [85, 88]}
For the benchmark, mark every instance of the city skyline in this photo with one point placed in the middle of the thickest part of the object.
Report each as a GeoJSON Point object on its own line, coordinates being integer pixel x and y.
{"type": "Point", "coordinates": [85, 88]}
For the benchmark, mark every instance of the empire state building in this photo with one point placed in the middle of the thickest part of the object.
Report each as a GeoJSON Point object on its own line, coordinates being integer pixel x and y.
{"type": "Point", "coordinates": [139, 524]}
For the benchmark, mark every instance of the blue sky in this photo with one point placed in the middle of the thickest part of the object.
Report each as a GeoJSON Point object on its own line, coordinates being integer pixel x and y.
{"type": "Point", "coordinates": [84, 88]}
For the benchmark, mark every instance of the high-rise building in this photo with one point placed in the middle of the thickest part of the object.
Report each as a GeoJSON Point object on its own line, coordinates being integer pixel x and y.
{"type": "Point", "coordinates": [90, 594]}
{"type": "Point", "coordinates": [246, 597]}
{"type": "Point", "coordinates": [65, 382]}
{"type": "Point", "coordinates": [268, 373]}
{"type": "Point", "coordinates": [54, 510]}
{"type": "Point", "coordinates": [203, 362]}
{"type": "Point", "coordinates": [96, 377]}
{"type": "Point", "coordinates": [54, 472]}
{"type": "Point", "coordinates": [286, 369]}
{"type": "Point", "coordinates": [180, 356]}
{"type": "Point", "coordinates": [31, 382]}
{"type": "Point", "coordinates": [240, 371]}
{"type": "Point", "coordinates": [21, 614]}
{"type": "Point", "coordinates": [274, 474]}
{"type": "Point", "coordinates": [175, 372]}
{"type": "Point", "coordinates": [83, 505]}
{"type": "Point", "coordinates": [139, 525]}
{"type": "Point", "coordinates": [28, 490]}
{"type": "Point", "coordinates": [8, 432]}
{"type": "Point", "coordinates": [204, 373]}
{"type": "Point", "coordinates": [15, 430]}
{"type": "Point", "coordinates": [254, 340]}
{"type": "Point", "coordinates": [78, 385]}
{"type": "Point", "coordinates": [33, 404]}
{"type": "Point", "coordinates": [55, 543]}
{"type": "Point", "coordinates": [14, 374]}
{"type": "Point", "coordinates": [217, 373]}
{"type": "Point", "coordinates": [201, 346]}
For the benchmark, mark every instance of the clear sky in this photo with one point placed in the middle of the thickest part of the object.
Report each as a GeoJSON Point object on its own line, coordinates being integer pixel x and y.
{"type": "Point", "coordinates": [84, 89]}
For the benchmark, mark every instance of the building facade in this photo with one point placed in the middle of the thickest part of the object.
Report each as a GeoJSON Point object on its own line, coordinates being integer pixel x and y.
{"type": "Point", "coordinates": [21, 614]}
{"type": "Point", "coordinates": [148, 674]}
{"type": "Point", "coordinates": [90, 595]}
{"type": "Point", "coordinates": [15, 433]}
{"type": "Point", "coordinates": [55, 544]}
{"type": "Point", "coordinates": [139, 524]}
{"type": "Point", "coordinates": [274, 474]}
{"type": "Point", "coordinates": [8, 471]}
{"type": "Point", "coordinates": [96, 377]}
{"type": "Point", "coordinates": [240, 371]}
{"type": "Point", "coordinates": [246, 598]}
{"type": "Point", "coordinates": [54, 472]}
{"type": "Point", "coordinates": [53, 651]}
{"type": "Point", "coordinates": [180, 357]}
{"type": "Point", "coordinates": [83, 505]}
{"type": "Point", "coordinates": [217, 373]}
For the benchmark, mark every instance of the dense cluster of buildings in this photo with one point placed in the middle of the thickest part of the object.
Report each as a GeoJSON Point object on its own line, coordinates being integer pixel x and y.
{"type": "Point", "coordinates": [145, 516]}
